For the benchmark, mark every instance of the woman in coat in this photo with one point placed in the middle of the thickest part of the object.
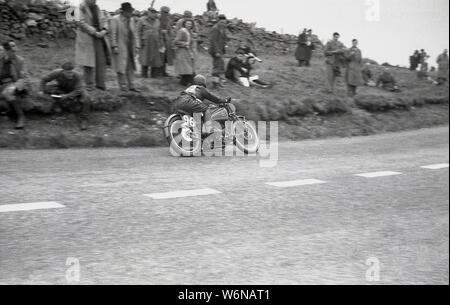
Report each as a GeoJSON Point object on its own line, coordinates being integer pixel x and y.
{"type": "Point", "coordinates": [150, 42]}
{"type": "Point", "coordinates": [185, 53]}
{"type": "Point", "coordinates": [353, 75]}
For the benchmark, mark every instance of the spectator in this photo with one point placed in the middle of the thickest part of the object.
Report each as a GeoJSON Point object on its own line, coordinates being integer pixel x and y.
{"type": "Point", "coordinates": [218, 40]}
{"type": "Point", "coordinates": [14, 86]}
{"type": "Point", "coordinates": [150, 43]}
{"type": "Point", "coordinates": [353, 75]}
{"type": "Point", "coordinates": [186, 16]}
{"type": "Point", "coordinates": [304, 51]}
{"type": "Point", "coordinates": [92, 50]}
{"type": "Point", "coordinates": [423, 56]}
{"type": "Point", "coordinates": [414, 61]}
{"type": "Point", "coordinates": [424, 67]}
{"type": "Point", "coordinates": [70, 90]}
{"type": "Point", "coordinates": [368, 76]}
{"type": "Point", "coordinates": [185, 53]}
{"type": "Point", "coordinates": [211, 10]}
{"type": "Point", "coordinates": [166, 50]}
{"type": "Point", "coordinates": [334, 51]}
{"type": "Point", "coordinates": [387, 81]}
{"type": "Point", "coordinates": [442, 62]}
{"type": "Point", "coordinates": [123, 37]}
{"type": "Point", "coordinates": [239, 69]}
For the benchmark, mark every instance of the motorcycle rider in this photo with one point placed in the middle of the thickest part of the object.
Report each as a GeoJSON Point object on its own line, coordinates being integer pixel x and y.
{"type": "Point", "coordinates": [192, 100]}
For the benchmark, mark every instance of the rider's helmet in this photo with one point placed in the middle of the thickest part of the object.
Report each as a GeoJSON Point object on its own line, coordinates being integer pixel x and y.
{"type": "Point", "coordinates": [200, 80]}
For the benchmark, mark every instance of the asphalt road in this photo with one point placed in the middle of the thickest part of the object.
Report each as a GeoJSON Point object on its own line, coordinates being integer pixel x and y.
{"type": "Point", "coordinates": [337, 229]}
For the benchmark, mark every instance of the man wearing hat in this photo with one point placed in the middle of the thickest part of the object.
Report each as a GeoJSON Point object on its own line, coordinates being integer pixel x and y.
{"type": "Point", "coordinates": [123, 43]}
{"type": "Point", "coordinates": [14, 85]}
{"type": "Point", "coordinates": [69, 90]}
{"type": "Point", "coordinates": [149, 42]}
{"type": "Point", "coordinates": [217, 49]}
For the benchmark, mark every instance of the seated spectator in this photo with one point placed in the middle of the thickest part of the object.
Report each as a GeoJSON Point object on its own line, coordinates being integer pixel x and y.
{"type": "Point", "coordinates": [69, 90]}
{"type": "Point", "coordinates": [387, 81]}
{"type": "Point", "coordinates": [239, 69]}
{"type": "Point", "coordinates": [14, 87]}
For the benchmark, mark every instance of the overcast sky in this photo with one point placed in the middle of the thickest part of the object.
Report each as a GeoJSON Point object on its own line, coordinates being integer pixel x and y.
{"type": "Point", "coordinates": [388, 30]}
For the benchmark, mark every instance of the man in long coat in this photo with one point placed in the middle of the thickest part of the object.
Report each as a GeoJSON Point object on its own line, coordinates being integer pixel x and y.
{"type": "Point", "coordinates": [150, 42]}
{"type": "Point", "coordinates": [92, 51]}
{"type": "Point", "coordinates": [167, 50]}
{"type": "Point", "coordinates": [301, 54]}
{"type": "Point", "coordinates": [442, 62]}
{"type": "Point", "coordinates": [353, 75]}
{"type": "Point", "coordinates": [123, 43]}
{"type": "Point", "coordinates": [334, 51]}
{"type": "Point", "coordinates": [217, 49]}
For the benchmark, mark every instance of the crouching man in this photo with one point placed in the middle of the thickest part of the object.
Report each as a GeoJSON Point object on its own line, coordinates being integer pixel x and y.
{"type": "Point", "coordinates": [14, 87]}
{"type": "Point", "coordinates": [387, 81]}
{"type": "Point", "coordinates": [69, 90]}
{"type": "Point", "coordinates": [239, 69]}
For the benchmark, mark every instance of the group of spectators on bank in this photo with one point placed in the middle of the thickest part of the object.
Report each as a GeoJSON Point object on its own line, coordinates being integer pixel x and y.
{"type": "Point", "coordinates": [129, 41]}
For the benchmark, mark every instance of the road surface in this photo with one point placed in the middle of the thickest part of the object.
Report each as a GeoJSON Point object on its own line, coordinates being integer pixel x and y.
{"type": "Point", "coordinates": [369, 210]}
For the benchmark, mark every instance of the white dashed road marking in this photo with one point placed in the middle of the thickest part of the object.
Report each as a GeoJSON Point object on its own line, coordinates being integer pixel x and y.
{"type": "Point", "coordinates": [30, 206]}
{"type": "Point", "coordinates": [296, 183]}
{"type": "Point", "coordinates": [436, 166]}
{"type": "Point", "coordinates": [181, 194]}
{"type": "Point", "coordinates": [378, 174]}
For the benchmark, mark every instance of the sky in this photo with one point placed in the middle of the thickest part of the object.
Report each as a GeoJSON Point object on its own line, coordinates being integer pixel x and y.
{"type": "Point", "coordinates": [388, 30]}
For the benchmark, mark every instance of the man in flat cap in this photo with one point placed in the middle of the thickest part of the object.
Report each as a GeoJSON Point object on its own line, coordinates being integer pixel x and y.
{"type": "Point", "coordinates": [123, 43]}
{"type": "Point", "coordinates": [69, 90]}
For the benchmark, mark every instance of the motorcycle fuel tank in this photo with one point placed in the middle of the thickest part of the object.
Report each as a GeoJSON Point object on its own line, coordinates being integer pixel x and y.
{"type": "Point", "coordinates": [220, 114]}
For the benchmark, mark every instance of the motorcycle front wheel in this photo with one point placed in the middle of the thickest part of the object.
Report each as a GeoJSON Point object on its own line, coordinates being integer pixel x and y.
{"type": "Point", "coordinates": [246, 137]}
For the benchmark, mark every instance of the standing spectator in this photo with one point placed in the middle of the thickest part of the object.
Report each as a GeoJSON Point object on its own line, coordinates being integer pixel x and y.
{"type": "Point", "coordinates": [70, 89]}
{"type": "Point", "coordinates": [301, 53]}
{"type": "Point", "coordinates": [185, 54]}
{"type": "Point", "coordinates": [218, 40]}
{"type": "Point", "coordinates": [211, 6]}
{"type": "Point", "coordinates": [123, 37]}
{"type": "Point", "coordinates": [14, 87]}
{"type": "Point", "coordinates": [353, 75]}
{"type": "Point", "coordinates": [423, 56]}
{"type": "Point", "coordinates": [150, 43]}
{"type": "Point", "coordinates": [423, 71]}
{"type": "Point", "coordinates": [92, 51]}
{"type": "Point", "coordinates": [166, 50]}
{"type": "Point", "coordinates": [211, 10]}
{"type": "Point", "coordinates": [414, 61]}
{"type": "Point", "coordinates": [334, 51]}
{"type": "Point", "coordinates": [442, 62]}
{"type": "Point", "coordinates": [187, 15]}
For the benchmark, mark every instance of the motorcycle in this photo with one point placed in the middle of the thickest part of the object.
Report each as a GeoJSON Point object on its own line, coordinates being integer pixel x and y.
{"type": "Point", "coordinates": [188, 135]}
